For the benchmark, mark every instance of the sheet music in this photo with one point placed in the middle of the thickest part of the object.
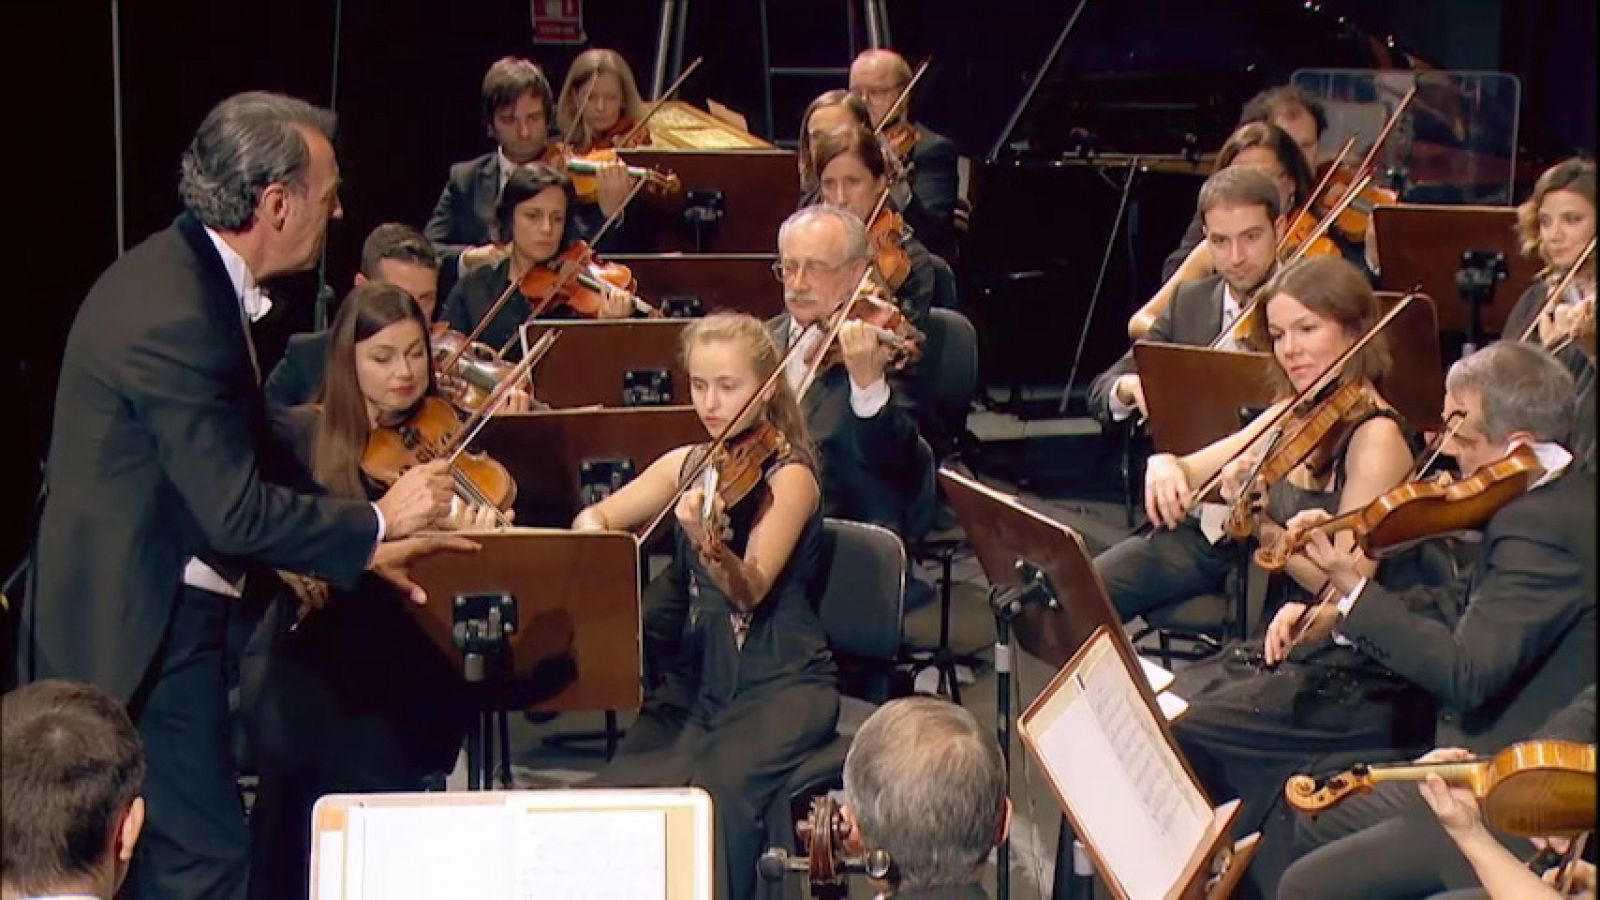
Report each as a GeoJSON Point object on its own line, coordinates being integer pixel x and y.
{"type": "Point", "coordinates": [429, 853]}
{"type": "Point", "coordinates": [1121, 779]}
{"type": "Point", "coordinates": [620, 854]}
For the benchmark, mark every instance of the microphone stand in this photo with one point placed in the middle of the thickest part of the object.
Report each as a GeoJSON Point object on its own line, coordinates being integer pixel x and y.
{"type": "Point", "coordinates": [1007, 603]}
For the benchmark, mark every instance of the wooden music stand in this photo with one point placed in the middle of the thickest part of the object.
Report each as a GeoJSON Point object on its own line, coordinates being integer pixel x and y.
{"type": "Point", "coordinates": [758, 188]}
{"type": "Point", "coordinates": [1421, 244]}
{"type": "Point", "coordinates": [1195, 394]}
{"type": "Point", "coordinates": [1126, 790]}
{"type": "Point", "coordinates": [644, 842]}
{"type": "Point", "coordinates": [589, 366]}
{"type": "Point", "coordinates": [536, 618]}
{"type": "Point", "coordinates": [1415, 383]}
{"type": "Point", "coordinates": [737, 282]}
{"type": "Point", "coordinates": [547, 452]}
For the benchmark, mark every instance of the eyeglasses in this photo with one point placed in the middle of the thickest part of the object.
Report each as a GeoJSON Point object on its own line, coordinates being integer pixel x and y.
{"type": "Point", "coordinates": [788, 269]}
{"type": "Point", "coordinates": [878, 93]}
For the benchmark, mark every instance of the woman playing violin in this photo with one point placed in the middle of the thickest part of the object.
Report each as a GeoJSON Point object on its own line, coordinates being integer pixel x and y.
{"type": "Point", "coordinates": [599, 103]}
{"type": "Point", "coordinates": [853, 174]}
{"type": "Point", "coordinates": [344, 691]}
{"type": "Point", "coordinates": [533, 211]}
{"type": "Point", "coordinates": [1555, 224]}
{"type": "Point", "coordinates": [752, 691]}
{"type": "Point", "coordinates": [1315, 310]}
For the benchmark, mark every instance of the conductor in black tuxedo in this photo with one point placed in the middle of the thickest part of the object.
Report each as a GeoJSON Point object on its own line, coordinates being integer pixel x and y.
{"type": "Point", "coordinates": [518, 109]}
{"type": "Point", "coordinates": [393, 252]}
{"type": "Point", "coordinates": [1243, 216]}
{"type": "Point", "coordinates": [159, 499]}
{"type": "Point", "coordinates": [875, 467]}
{"type": "Point", "coordinates": [878, 77]}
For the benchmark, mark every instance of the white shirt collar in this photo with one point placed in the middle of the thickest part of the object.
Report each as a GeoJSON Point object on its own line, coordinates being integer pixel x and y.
{"type": "Point", "coordinates": [1552, 456]}
{"type": "Point", "coordinates": [507, 166]}
{"type": "Point", "coordinates": [1231, 305]}
{"type": "Point", "coordinates": [256, 302]}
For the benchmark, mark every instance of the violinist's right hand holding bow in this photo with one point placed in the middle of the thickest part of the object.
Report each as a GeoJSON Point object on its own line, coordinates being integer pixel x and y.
{"type": "Point", "coordinates": [1166, 491]}
{"type": "Point", "coordinates": [418, 499]}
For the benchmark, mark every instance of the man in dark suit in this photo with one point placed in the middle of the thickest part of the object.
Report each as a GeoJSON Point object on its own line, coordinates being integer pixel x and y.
{"type": "Point", "coordinates": [158, 490]}
{"type": "Point", "coordinates": [875, 467]}
{"type": "Point", "coordinates": [1504, 649]}
{"type": "Point", "coordinates": [1243, 219]}
{"type": "Point", "coordinates": [393, 252]}
{"type": "Point", "coordinates": [518, 112]}
{"type": "Point", "coordinates": [878, 77]}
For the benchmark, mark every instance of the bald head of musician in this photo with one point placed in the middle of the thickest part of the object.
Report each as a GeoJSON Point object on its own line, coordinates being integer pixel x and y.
{"type": "Point", "coordinates": [877, 77]}
{"type": "Point", "coordinates": [1296, 111]}
{"type": "Point", "coordinates": [822, 255]}
{"type": "Point", "coordinates": [517, 108]}
{"type": "Point", "coordinates": [926, 783]}
{"type": "Point", "coordinates": [1243, 216]}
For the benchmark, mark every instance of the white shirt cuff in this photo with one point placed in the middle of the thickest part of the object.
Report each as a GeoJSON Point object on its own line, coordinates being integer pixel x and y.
{"type": "Point", "coordinates": [461, 263]}
{"type": "Point", "coordinates": [868, 401]}
{"type": "Point", "coordinates": [1116, 407]}
{"type": "Point", "coordinates": [383, 527]}
{"type": "Point", "coordinates": [1345, 604]}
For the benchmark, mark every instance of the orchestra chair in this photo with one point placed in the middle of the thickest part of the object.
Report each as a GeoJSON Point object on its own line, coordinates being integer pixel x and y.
{"type": "Point", "coordinates": [945, 292]}
{"type": "Point", "coordinates": [947, 379]}
{"type": "Point", "coordinates": [859, 591]}
{"type": "Point", "coordinates": [1204, 621]}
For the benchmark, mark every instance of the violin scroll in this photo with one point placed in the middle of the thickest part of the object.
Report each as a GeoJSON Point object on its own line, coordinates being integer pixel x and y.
{"type": "Point", "coordinates": [1303, 793]}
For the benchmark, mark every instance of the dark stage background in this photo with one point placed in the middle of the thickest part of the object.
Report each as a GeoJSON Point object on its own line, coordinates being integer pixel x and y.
{"type": "Point", "coordinates": [408, 73]}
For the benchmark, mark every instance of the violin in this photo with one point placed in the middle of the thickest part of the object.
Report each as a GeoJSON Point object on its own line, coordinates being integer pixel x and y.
{"type": "Point", "coordinates": [584, 167]}
{"type": "Point", "coordinates": [622, 134]}
{"type": "Point", "coordinates": [587, 291]}
{"type": "Point", "coordinates": [1348, 196]}
{"type": "Point", "coordinates": [902, 138]}
{"type": "Point", "coordinates": [1419, 510]}
{"type": "Point", "coordinates": [887, 238]}
{"type": "Point", "coordinates": [1532, 789]}
{"type": "Point", "coordinates": [829, 860]}
{"type": "Point", "coordinates": [738, 465]}
{"type": "Point", "coordinates": [1306, 438]}
{"type": "Point", "coordinates": [432, 431]}
{"type": "Point", "coordinates": [894, 331]}
{"type": "Point", "coordinates": [1555, 292]}
{"type": "Point", "coordinates": [466, 372]}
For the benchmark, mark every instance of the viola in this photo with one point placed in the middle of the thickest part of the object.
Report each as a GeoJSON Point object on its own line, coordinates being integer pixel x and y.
{"type": "Point", "coordinates": [587, 291]}
{"type": "Point", "coordinates": [1419, 510]}
{"type": "Point", "coordinates": [584, 167]}
{"type": "Point", "coordinates": [432, 431]}
{"type": "Point", "coordinates": [1533, 788]}
{"type": "Point", "coordinates": [1306, 438]}
{"type": "Point", "coordinates": [887, 238]}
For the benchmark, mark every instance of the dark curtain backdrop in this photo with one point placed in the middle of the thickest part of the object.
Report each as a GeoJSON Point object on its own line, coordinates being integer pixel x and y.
{"type": "Point", "coordinates": [407, 99]}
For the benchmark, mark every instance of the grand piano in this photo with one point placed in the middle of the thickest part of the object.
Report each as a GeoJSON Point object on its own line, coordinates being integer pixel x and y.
{"type": "Point", "coordinates": [1126, 115]}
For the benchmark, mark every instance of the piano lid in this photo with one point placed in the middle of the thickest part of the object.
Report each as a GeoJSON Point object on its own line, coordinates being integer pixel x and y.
{"type": "Point", "coordinates": [1169, 77]}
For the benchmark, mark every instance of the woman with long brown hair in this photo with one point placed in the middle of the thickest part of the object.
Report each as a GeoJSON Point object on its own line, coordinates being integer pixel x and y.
{"type": "Point", "coordinates": [751, 692]}
{"type": "Point", "coordinates": [599, 102]}
{"type": "Point", "coordinates": [345, 693]}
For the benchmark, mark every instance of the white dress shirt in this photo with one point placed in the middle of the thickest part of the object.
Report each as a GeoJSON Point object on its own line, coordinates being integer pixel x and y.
{"type": "Point", "coordinates": [253, 304]}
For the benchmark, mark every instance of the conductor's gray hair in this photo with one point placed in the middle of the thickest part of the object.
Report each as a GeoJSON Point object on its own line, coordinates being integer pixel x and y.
{"type": "Point", "coordinates": [247, 142]}
{"type": "Point", "coordinates": [855, 240]}
{"type": "Point", "coordinates": [1522, 388]}
{"type": "Point", "coordinates": [928, 785]}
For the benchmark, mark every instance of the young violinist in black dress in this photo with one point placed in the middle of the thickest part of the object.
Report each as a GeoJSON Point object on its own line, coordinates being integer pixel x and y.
{"type": "Point", "coordinates": [342, 691]}
{"type": "Point", "coordinates": [752, 692]}
{"type": "Point", "coordinates": [532, 210]}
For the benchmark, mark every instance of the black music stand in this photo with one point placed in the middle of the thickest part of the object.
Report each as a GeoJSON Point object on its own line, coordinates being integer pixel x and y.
{"type": "Point", "coordinates": [540, 618]}
{"type": "Point", "coordinates": [1046, 588]}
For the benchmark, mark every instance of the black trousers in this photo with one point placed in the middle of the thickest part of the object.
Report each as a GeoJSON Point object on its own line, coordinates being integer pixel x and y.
{"type": "Point", "coordinates": [741, 756]}
{"type": "Point", "coordinates": [1166, 567]}
{"type": "Point", "coordinates": [1387, 844]}
{"type": "Point", "coordinates": [195, 843]}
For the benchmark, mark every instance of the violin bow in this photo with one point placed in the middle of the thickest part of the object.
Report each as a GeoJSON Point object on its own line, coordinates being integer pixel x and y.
{"type": "Point", "coordinates": [655, 105]}
{"type": "Point", "coordinates": [899, 104]}
{"type": "Point", "coordinates": [1311, 390]}
{"type": "Point", "coordinates": [1326, 222]}
{"type": "Point", "coordinates": [1553, 298]}
{"type": "Point", "coordinates": [1371, 158]}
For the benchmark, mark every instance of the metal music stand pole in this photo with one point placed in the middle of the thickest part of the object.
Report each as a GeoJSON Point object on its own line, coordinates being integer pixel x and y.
{"type": "Point", "coordinates": [1007, 604]}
